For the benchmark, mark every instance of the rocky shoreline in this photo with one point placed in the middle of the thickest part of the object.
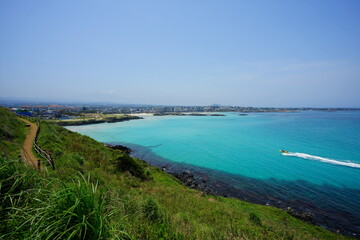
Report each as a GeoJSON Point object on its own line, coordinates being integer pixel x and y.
{"type": "Point", "coordinates": [203, 181]}
{"type": "Point", "coordinates": [200, 182]}
{"type": "Point", "coordinates": [119, 147]}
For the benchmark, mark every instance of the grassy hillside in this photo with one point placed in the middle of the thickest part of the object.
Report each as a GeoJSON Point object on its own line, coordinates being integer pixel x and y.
{"type": "Point", "coordinates": [76, 153]}
{"type": "Point", "coordinates": [12, 134]}
{"type": "Point", "coordinates": [100, 193]}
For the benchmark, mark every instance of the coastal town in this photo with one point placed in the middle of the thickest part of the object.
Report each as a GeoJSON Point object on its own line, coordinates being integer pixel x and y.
{"type": "Point", "coordinates": [74, 111]}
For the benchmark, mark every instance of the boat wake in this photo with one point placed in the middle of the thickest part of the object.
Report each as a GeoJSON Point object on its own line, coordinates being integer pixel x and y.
{"type": "Point", "coordinates": [321, 159]}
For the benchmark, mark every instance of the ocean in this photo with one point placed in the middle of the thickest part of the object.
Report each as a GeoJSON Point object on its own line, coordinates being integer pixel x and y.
{"type": "Point", "coordinates": [320, 174]}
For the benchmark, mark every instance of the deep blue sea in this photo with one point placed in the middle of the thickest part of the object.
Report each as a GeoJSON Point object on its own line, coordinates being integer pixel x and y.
{"type": "Point", "coordinates": [320, 174]}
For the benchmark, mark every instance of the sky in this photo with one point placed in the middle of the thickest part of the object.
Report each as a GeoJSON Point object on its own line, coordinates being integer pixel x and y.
{"type": "Point", "coordinates": [182, 52]}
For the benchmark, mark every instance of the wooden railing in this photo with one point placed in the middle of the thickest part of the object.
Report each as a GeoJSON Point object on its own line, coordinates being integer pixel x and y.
{"type": "Point", "coordinates": [40, 151]}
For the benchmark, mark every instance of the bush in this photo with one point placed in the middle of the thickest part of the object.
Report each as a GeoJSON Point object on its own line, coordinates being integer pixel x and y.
{"type": "Point", "coordinates": [151, 210]}
{"type": "Point", "coordinates": [255, 219]}
{"type": "Point", "coordinates": [127, 163]}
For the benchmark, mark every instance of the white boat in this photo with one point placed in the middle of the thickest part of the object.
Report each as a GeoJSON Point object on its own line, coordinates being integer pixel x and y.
{"type": "Point", "coordinates": [283, 151]}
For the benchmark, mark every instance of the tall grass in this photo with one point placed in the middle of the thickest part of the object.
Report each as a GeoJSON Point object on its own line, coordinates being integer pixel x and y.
{"type": "Point", "coordinates": [17, 183]}
{"type": "Point", "coordinates": [50, 209]}
{"type": "Point", "coordinates": [74, 211]}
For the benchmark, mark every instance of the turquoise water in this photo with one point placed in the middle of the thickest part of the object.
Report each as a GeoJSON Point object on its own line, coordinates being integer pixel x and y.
{"type": "Point", "coordinates": [248, 145]}
{"type": "Point", "coordinates": [240, 155]}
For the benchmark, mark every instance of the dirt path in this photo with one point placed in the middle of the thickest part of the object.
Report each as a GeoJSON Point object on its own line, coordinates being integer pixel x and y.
{"type": "Point", "coordinates": [26, 151]}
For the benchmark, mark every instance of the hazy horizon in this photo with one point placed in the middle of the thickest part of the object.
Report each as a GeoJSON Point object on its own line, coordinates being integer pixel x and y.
{"type": "Point", "coordinates": [239, 53]}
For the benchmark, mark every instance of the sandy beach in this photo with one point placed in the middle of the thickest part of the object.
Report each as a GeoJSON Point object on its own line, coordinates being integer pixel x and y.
{"type": "Point", "coordinates": [184, 113]}
{"type": "Point", "coordinates": [140, 114]}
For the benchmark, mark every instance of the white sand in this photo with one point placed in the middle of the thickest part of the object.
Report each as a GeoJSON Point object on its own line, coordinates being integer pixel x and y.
{"type": "Point", "coordinates": [140, 114]}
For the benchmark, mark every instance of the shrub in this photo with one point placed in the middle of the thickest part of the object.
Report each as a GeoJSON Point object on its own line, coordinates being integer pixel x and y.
{"type": "Point", "coordinates": [254, 219]}
{"type": "Point", "coordinates": [127, 163]}
{"type": "Point", "coordinates": [151, 210]}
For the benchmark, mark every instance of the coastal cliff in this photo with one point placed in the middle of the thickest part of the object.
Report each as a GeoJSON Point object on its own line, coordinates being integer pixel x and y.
{"type": "Point", "coordinates": [97, 192]}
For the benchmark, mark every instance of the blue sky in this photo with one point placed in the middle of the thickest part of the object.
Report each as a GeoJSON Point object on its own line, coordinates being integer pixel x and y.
{"type": "Point", "coordinates": [182, 52]}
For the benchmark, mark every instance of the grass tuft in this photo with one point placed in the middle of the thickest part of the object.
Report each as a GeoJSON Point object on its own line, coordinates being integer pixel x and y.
{"type": "Point", "coordinates": [52, 209]}
{"type": "Point", "coordinates": [151, 210]}
{"type": "Point", "coordinates": [255, 219]}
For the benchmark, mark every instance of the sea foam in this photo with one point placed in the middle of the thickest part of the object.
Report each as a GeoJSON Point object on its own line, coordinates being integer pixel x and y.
{"type": "Point", "coordinates": [321, 159]}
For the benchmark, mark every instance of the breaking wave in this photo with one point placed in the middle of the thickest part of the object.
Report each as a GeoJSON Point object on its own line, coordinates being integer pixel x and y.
{"type": "Point", "coordinates": [321, 159]}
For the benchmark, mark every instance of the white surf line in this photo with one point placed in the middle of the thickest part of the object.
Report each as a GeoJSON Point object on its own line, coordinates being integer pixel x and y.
{"type": "Point", "coordinates": [321, 159]}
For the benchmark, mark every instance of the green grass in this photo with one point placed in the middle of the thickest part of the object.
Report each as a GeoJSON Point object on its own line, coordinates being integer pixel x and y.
{"type": "Point", "coordinates": [12, 134]}
{"type": "Point", "coordinates": [99, 193]}
{"type": "Point", "coordinates": [74, 152]}
{"type": "Point", "coordinates": [35, 207]}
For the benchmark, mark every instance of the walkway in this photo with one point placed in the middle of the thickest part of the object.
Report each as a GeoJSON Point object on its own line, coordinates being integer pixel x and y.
{"type": "Point", "coordinates": [26, 151]}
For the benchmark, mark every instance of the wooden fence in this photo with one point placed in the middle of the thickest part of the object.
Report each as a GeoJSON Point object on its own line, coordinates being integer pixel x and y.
{"type": "Point", "coordinates": [41, 152]}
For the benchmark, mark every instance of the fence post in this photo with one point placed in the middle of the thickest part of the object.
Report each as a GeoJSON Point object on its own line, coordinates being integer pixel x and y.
{"type": "Point", "coordinates": [41, 152]}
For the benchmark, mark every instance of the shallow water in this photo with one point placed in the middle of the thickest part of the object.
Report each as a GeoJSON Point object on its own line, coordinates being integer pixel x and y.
{"type": "Point", "coordinates": [321, 169]}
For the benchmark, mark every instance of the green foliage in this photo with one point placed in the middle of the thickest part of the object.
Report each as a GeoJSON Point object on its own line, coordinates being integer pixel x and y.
{"type": "Point", "coordinates": [12, 134]}
{"type": "Point", "coordinates": [37, 208]}
{"type": "Point", "coordinates": [8, 127]}
{"type": "Point", "coordinates": [254, 219]}
{"type": "Point", "coordinates": [151, 210]}
{"type": "Point", "coordinates": [78, 158]}
{"type": "Point", "coordinates": [73, 211]}
{"type": "Point", "coordinates": [127, 163]}
{"type": "Point", "coordinates": [72, 151]}
{"type": "Point", "coordinates": [16, 183]}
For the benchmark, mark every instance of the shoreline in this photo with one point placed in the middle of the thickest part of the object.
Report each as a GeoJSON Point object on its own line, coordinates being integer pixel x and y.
{"type": "Point", "coordinates": [202, 181]}
{"type": "Point", "coordinates": [190, 114]}
{"type": "Point", "coordinates": [177, 114]}
{"type": "Point", "coordinates": [210, 182]}
{"type": "Point", "coordinates": [140, 114]}
{"type": "Point", "coordinates": [335, 220]}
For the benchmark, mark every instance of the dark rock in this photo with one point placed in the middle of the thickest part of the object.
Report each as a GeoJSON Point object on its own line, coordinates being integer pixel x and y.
{"type": "Point", "coordinates": [190, 181]}
{"type": "Point", "coordinates": [120, 147]}
{"type": "Point", "coordinates": [306, 215]}
{"type": "Point", "coordinates": [187, 178]}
